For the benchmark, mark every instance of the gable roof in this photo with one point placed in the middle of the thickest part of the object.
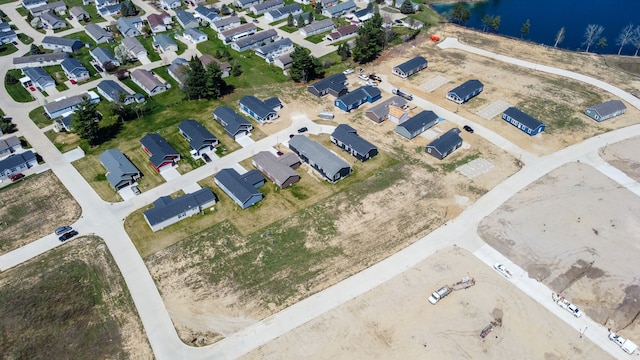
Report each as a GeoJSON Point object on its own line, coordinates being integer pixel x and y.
{"type": "Point", "coordinates": [206, 12]}
{"type": "Point", "coordinates": [335, 82]}
{"type": "Point", "coordinates": [157, 19]}
{"type": "Point", "coordinates": [103, 55]}
{"type": "Point", "coordinates": [608, 107]}
{"type": "Point", "coordinates": [276, 168]}
{"type": "Point", "coordinates": [256, 105]}
{"type": "Point", "coordinates": [185, 17]}
{"type": "Point", "coordinates": [341, 7]}
{"type": "Point", "coordinates": [38, 75]}
{"type": "Point", "coordinates": [241, 186]}
{"type": "Point", "coordinates": [412, 64]}
{"type": "Point", "coordinates": [96, 32]}
{"type": "Point", "coordinates": [359, 93]}
{"type": "Point", "coordinates": [233, 122]}
{"type": "Point", "coordinates": [420, 120]}
{"type": "Point", "coordinates": [268, 5]}
{"type": "Point", "coordinates": [60, 41]}
{"type": "Point", "coordinates": [349, 136]}
{"type": "Point", "coordinates": [55, 56]}
{"type": "Point", "coordinates": [145, 78]}
{"type": "Point", "coordinates": [256, 38]}
{"type": "Point", "coordinates": [198, 135]}
{"type": "Point", "coordinates": [194, 33]}
{"type": "Point", "coordinates": [318, 25]}
{"type": "Point", "coordinates": [113, 90]}
{"type": "Point", "coordinates": [133, 45]}
{"type": "Point", "coordinates": [275, 46]}
{"type": "Point", "coordinates": [71, 101]}
{"type": "Point", "coordinates": [165, 207]}
{"type": "Point", "coordinates": [447, 141]}
{"type": "Point", "coordinates": [523, 118]}
{"type": "Point", "coordinates": [329, 162]}
{"type": "Point", "coordinates": [77, 11]}
{"type": "Point", "coordinates": [467, 88]}
{"type": "Point", "coordinates": [226, 21]}
{"type": "Point", "coordinates": [73, 66]}
{"type": "Point", "coordinates": [118, 166]}
{"type": "Point", "coordinates": [158, 147]}
{"type": "Point", "coordinates": [127, 26]}
{"type": "Point", "coordinates": [16, 160]}
{"type": "Point", "coordinates": [285, 10]}
{"type": "Point", "coordinates": [8, 143]}
{"type": "Point", "coordinates": [381, 110]}
{"type": "Point", "coordinates": [164, 41]}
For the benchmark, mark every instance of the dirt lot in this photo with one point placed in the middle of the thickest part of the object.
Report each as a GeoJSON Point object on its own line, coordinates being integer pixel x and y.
{"type": "Point", "coordinates": [395, 321]}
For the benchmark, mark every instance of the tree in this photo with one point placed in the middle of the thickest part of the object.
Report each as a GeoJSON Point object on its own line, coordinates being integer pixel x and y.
{"type": "Point", "coordinates": [635, 39]}
{"type": "Point", "coordinates": [236, 69]}
{"type": "Point", "coordinates": [304, 66]}
{"type": "Point", "coordinates": [559, 37]}
{"type": "Point", "coordinates": [486, 21]}
{"type": "Point", "coordinates": [407, 7]}
{"type": "Point", "coordinates": [214, 85]}
{"type": "Point", "coordinates": [456, 14]}
{"type": "Point", "coordinates": [128, 8]}
{"type": "Point", "coordinates": [121, 53]}
{"type": "Point", "coordinates": [10, 79]}
{"type": "Point", "coordinates": [318, 7]}
{"type": "Point", "coordinates": [592, 32]}
{"type": "Point", "coordinates": [35, 50]}
{"type": "Point", "coordinates": [290, 20]}
{"type": "Point", "coordinates": [311, 17]}
{"type": "Point", "coordinates": [85, 120]}
{"type": "Point", "coordinates": [466, 15]}
{"type": "Point", "coordinates": [370, 41]}
{"type": "Point", "coordinates": [344, 51]}
{"type": "Point", "coordinates": [195, 83]}
{"type": "Point", "coordinates": [625, 37]}
{"type": "Point", "coordinates": [7, 127]}
{"type": "Point", "coordinates": [300, 21]}
{"type": "Point", "coordinates": [224, 9]}
{"type": "Point", "coordinates": [602, 42]}
{"type": "Point", "coordinates": [524, 30]}
{"type": "Point", "coordinates": [495, 23]}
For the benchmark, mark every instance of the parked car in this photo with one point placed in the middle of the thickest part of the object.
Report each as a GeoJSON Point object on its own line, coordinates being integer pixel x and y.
{"type": "Point", "coordinates": [32, 88]}
{"type": "Point", "coordinates": [303, 129]}
{"type": "Point", "coordinates": [14, 177]}
{"type": "Point", "coordinates": [363, 77]}
{"type": "Point", "coordinates": [280, 153]}
{"type": "Point", "coordinates": [348, 71]}
{"type": "Point", "coordinates": [135, 189]}
{"type": "Point", "coordinates": [98, 68]}
{"type": "Point", "coordinates": [63, 229]}
{"type": "Point", "coordinates": [255, 21]}
{"type": "Point", "coordinates": [15, 43]}
{"type": "Point", "coordinates": [206, 158]}
{"type": "Point", "coordinates": [468, 129]}
{"type": "Point", "coordinates": [73, 82]}
{"type": "Point", "coordinates": [67, 236]}
{"type": "Point", "coordinates": [375, 77]}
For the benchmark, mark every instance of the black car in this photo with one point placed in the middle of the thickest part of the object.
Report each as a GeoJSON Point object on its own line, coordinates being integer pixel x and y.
{"type": "Point", "coordinates": [98, 68]}
{"type": "Point", "coordinates": [303, 129]}
{"type": "Point", "coordinates": [67, 236]}
{"type": "Point", "coordinates": [468, 129]}
{"type": "Point", "coordinates": [206, 158]}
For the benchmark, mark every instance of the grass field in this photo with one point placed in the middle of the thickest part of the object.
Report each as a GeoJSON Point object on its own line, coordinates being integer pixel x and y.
{"type": "Point", "coordinates": [17, 91]}
{"type": "Point", "coordinates": [58, 76]}
{"type": "Point", "coordinates": [7, 49]}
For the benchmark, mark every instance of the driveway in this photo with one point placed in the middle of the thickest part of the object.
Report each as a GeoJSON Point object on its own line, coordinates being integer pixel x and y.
{"type": "Point", "coordinates": [245, 141]}
{"type": "Point", "coordinates": [170, 174]}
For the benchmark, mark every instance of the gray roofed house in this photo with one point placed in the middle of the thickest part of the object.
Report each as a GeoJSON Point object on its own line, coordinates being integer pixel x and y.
{"type": "Point", "coordinates": [30, 4]}
{"type": "Point", "coordinates": [129, 27]}
{"type": "Point", "coordinates": [9, 146]}
{"type": "Point", "coordinates": [523, 121]}
{"type": "Point", "coordinates": [164, 43]}
{"type": "Point", "coordinates": [254, 40]}
{"type": "Point", "coordinates": [246, 3]}
{"type": "Point", "coordinates": [275, 49]}
{"type": "Point", "coordinates": [224, 66]}
{"type": "Point", "coordinates": [283, 61]}
{"type": "Point", "coordinates": [74, 69]}
{"type": "Point", "coordinates": [317, 27]}
{"type": "Point", "coordinates": [113, 92]}
{"type": "Point", "coordinates": [195, 36]}
{"type": "Point", "coordinates": [69, 105]}
{"type": "Point", "coordinates": [339, 9]}
{"type": "Point", "coordinates": [120, 171]}
{"type": "Point", "coordinates": [134, 48]}
{"type": "Point", "coordinates": [170, 4]}
{"type": "Point", "coordinates": [168, 211]}
{"type": "Point", "coordinates": [233, 123]}
{"type": "Point", "coordinates": [103, 56]}
{"type": "Point", "coordinates": [334, 85]}
{"type": "Point", "coordinates": [7, 34]}
{"type": "Point", "coordinates": [225, 23]}
{"type": "Point", "coordinates": [606, 110]}
{"type": "Point", "coordinates": [200, 139]}
{"type": "Point", "coordinates": [237, 32]}
{"type": "Point", "coordinates": [380, 112]}
{"type": "Point", "coordinates": [444, 145]}
{"type": "Point", "coordinates": [347, 139]}
{"type": "Point", "coordinates": [79, 13]}
{"type": "Point", "coordinates": [258, 109]}
{"type": "Point", "coordinates": [277, 168]}
{"type": "Point", "coordinates": [206, 15]}
{"type": "Point", "coordinates": [263, 7]}
{"type": "Point", "coordinates": [162, 155]}
{"type": "Point", "coordinates": [410, 67]}
{"type": "Point", "coordinates": [328, 164]}
{"type": "Point", "coordinates": [178, 70]}
{"type": "Point", "coordinates": [186, 19]}
{"type": "Point", "coordinates": [59, 43]}
{"type": "Point", "coordinates": [52, 21]}
{"type": "Point", "coordinates": [148, 82]}
{"type": "Point", "coordinates": [242, 189]}
{"type": "Point", "coordinates": [56, 7]}
{"type": "Point", "coordinates": [342, 33]}
{"type": "Point", "coordinates": [98, 34]}
{"type": "Point", "coordinates": [47, 59]}
{"type": "Point", "coordinates": [283, 12]}
{"type": "Point", "coordinates": [465, 92]}
{"type": "Point", "coordinates": [417, 124]}
{"type": "Point", "coordinates": [39, 78]}
{"type": "Point", "coordinates": [16, 163]}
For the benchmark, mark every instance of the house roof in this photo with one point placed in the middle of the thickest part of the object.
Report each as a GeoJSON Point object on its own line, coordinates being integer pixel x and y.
{"type": "Point", "coordinates": [241, 186]}
{"type": "Point", "coordinates": [205, 59]}
{"type": "Point", "coordinates": [145, 78]}
{"type": "Point", "coordinates": [238, 30]}
{"type": "Point", "coordinates": [38, 75]}
{"type": "Point", "coordinates": [134, 46]}
{"type": "Point", "coordinates": [65, 122]}
{"type": "Point", "coordinates": [523, 118]}
{"type": "Point", "coordinates": [15, 160]}
{"type": "Point", "coordinates": [268, 5]}
{"type": "Point", "coordinates": [363, 12]}
{"type": "Point", "coordinates": [194, 33]}
{"type": "Point", "coordinates": [118, 166]}
{"type": "Point", "coordinates": [275, 46]}
{"type": "Point", "coordinates": [40, 58]}
{"type": "Point", "coordinates": [412, 64]}
{"type": "Point", "coordinates": [344, 31]}
{"type": "Point", "coordinates": [185, 17]}
{"type": "Point", "coordinates": [206, 12]}
{"type": "Point", "coordinates": [277, 168]}
{"type": "Point", "coordinates": [256, 38]}
{"type": "Point", "coordinates": [341, 7]}
{"type": "Point", "coordinates": [112, 89]}
{"type": "Point", "coordinates": [178, 68]}
{"type": "Point", "coordinates": [226, 21]}
{"type": "Point", "coordinates": [73, 66]}
{"type": "Point", "coordinates": [349, 136]}
{"type": "Point", "coordinates": [256, 105]}
{"type": "Point", "coordinates": [447, 141]}
{"type": "Point", "coordinates": [126, 24]}
{"type": "Point", "coordinates": [166, 207]}
{"type": "Point", "coordinates": [163, 40]}
{"type": "Point", "coordinates": [97, 32]}
{"type": "Point", "coordinates": [285, 10]}
{"type": "Point", "coordinates": [335, 81]}
{"type": "Point", "coordinates": [273, 102]}
{"type": "Point", "coordinates": [608, 107]}
{"type": "Point", "coordinates": [74, 100]}
{"type": "Point", "coordinates": [329, 162]}
{"type": "Point", "coordinates": [60, 41]}
{"type": "Point", "coordinates": [358, 94]}
{"type": "Point", "coordinates": [8, 143]}
{"type": "Point", "coordinates": [103, 55]}
{"type": "Point", "coordinates": [285, 59]}
{"type": "Point", "coordinates": [234, 122]}
{"type": "Point", "coordinates": [420, 120]}
{"type": "Point", "coordinates": [318, 25]}
{"type": "Point", "coordinates": [157, 19]}
{"type": "Point", "coordinates": [467, 88]}
{"type": "Point", "coordinates": [381, 110]}
{"type": "Point", "coordinates": [158, 147]}
{"type": "Point", "coordinates": [77, 11]}
{"type": "Point", "coordinates": [50, 18]}
{"type": "Point", "coordinates": [198, 134]}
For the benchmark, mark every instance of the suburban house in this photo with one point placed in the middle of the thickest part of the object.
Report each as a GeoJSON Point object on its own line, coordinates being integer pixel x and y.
{"type": "Point", "coordinates": [120, 171]}
{"type": "Point", "coordinates": [224, 66]}
{"type": "Point", "coordinates": [347, 139]}
{"type": "Point", "coordinates": [412, 23]}
{"type": "Point", "coordinates": [79, 13]}
{"type": "Point", "coordinates": [103, 56]}
{"type": "Point", "coordinates": [445, 144]}
{"type": "Point", "coordinates": [200, 139]}
{"type": "Point", "coordinates": [398, 114]}
{"type": "Point", "coordinates": [606, 110]}
{"type": "Point", "coordinates": [317, 27]}
{"type": "Point", "coordinates": [232, 34]}
{"type": "Point", "coordinates": [48, 59]}
{"type": "Point", "coordinates": [112, 91]}
{"type": "Point", "coordinates": [9, 146]}
{"type": "Point", "coordinates": [233, 123]}
{"type": "Point", "coordinates": [178, 70]}
{"type": "Point", "coordinates": [186, 19]}
{"type": "Point", "coordinates": [107, 7]}
{"type": "Point", "coordinates": [275, 49]}
{"type": "Point", "coordinates": [466, 91]}
{"type": "Point", "coordinates": [353, 100]}
{"type": "Point", "coordinates": [523, 121]}
{"type": "Point", "coordinates": [283, 12]}
{"type": "Point", "coordinates": [98, 34]}
{"type": "Point", "coordinates": [74, 70]}
{"type": "Point", "coordinates": [361, 15]}
{"type": "Point", "coordinates": [254, 40]}
{"type": "Point", "coordinates": [170, 4]}
{"type": "Point", "coordinates": [335, 85]}
{"type": "Point", "coordinates": [56, 7]}
{"type": "Point", "coordinates": [283, 61]}
{"type": "Point", "coordinates": [159, 22]}
{"type": "Point", "coordinates": [262, 111]}
{"type": "Point", "coordinates": [148, 82]}
{"type": "Point", "coordinates": [380, 112]}
{"type": "Point", "coordinates": [328, 3]}
{"type": "Point", "coordinates": [225, 23]}
{"type": "Point", "coordinates": [30, 4]}
{"type": "Point", "coordinates": [339, 9]}
{"type": "Point", "coordinates": [304, 17]}
{"type": "Point", "coordinates": [410, 67]}
{"type": "Point", "coordinates": [61, 44]}
{"type": "Point", "coordinates": [163, 43]}
{"type": "Point", "coordinates": [328, 164]}
{"type": "Point", "coordinates": [17, 163]}
{"type": "Point", "coordinates": [129, 27]}
{"type": "Point", "coordinates": [62, 124]}
{"type": "Point", "coordinates": [195, 36]}
{"type": "Point", "coordinates": [398, 4]}
{"type": "Point", "coordinates": [68, 105]}
{"type": "Point", "coordinates": [243, 4]}
{"type": "Point", "coordinates": [242, 189]}
{"type": "Point", "coordinates": [278, 169]}
{"type": "Point", "coordinates": [7, 34]}
{"type": "Point", "coordinates": [263, 7]}
{"type": "Point", "coordinates": [134, 48]}
{"type": "Point", "coordinates": [168, 211]}
{"type": "Point", "coordinates": [343, 33]}
{"type": "Point", "coordinates": [417, 124]}
{"type": "Point", "coordinates": [52, 21]}
{"type": "Point", "coordinates": [39, 78]}
{"type": "Point", "coordinates": [162, 155]}
{"type": "Point", "coordinates": [205, 15]}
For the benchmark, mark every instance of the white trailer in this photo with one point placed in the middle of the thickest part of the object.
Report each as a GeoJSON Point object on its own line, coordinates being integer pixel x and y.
{"type": "Point", "coordinates": [627, 345]}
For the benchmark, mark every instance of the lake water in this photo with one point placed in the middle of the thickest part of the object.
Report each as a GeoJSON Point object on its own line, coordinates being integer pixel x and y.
{"type": "Point", "coordinates": [548, 16]}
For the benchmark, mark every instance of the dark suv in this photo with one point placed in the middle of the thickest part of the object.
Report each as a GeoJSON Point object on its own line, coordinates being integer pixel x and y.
{"type": "Point", "coordinates": [67, 236]}
{"type": "Point", "coordinates": [303, 129]}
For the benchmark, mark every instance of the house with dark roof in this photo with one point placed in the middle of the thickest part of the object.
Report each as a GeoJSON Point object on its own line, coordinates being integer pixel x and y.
{"type": "Point", "coordinates": [186, 19]}
{"type": "Point", "coordinates": [200, 139]}
{"type": "Point", "coordinates": [317, 27]}
{"type": "Point", "coordinates": [74, 69]}
{"type": "Point", "coordinates": [380, 112]}
{"type": "Point", "coordinates": [195, 36]}
{"type": "Point", "coordinates": [7, 34]}
{"type": "Point", "coordinates": [353, 100]}
{"type": "Point", "coordinates": [68, 105]}
{"type": "Point", "coordinates": [17, 163]}
{"type": "Point", "coordinates": [162, 155]}
{"type": "Point", "coordinates": [129, 26]}
{"type": "Point", "coordinates": [347, 139]}
{"type": "Point", "coordinates": [224, 24]}
{"type": "Point", "coordinates": [61, 44]}
{"type": "Point", "coordinates": [466, 91]}
{"type": "Point", "coordinates": [283, 12]}
{"type": "Point", "coordinates": [39, 60]}
{"type": "Point", "coordinates": [342, 33]}
{"type": "Point", "coordinates": [243, 4]}
{"type": "Point", "coordinates": [163, 43]}
{"type": "Point", "coordinates": [410, 67]}
{"type": "Point", "coordinates": [233, 123]}
{"type": "Point", "coordinates": [445, 144]}
{"type": "Point", "coordinates": [255, 40]}
{"type": "Point", "coordinates": [168, 211]}
{"type": "Point", "coordinates": [159, 22]}
{"type": "Point", "coordinates": [242, 189]}
{"type": "Point", "coordinates": [52, 21]}
{"type": "Point", "coordinates": [135, 49]}
{"type": "Point", "coordinates": [112, 91]}
{"type": "Point", "coordinates": [54, 7]}
{"type": "Point", "coordinates": [178, 70]}
{"type": "Point", "coordinates": [104, 56]}
{"type": "Point", "coordinates": [361, 15]}
{"type": "Point", "coordinates": [63, 124]}
{"type": "Point", "coordinates": [283, 61]}
{"type": "Point", "coordinates": [263, 7]}
{"type": "Point", "coordinates": [106, 7]}
{"type": "Point", "coordinates": [79, 13]}
{"type": "Point", "coordinates": [417, 124]}
{"type": "Point", "coordinates": [39, 78]}
{"type": "Point", "coordinates": [120, 171]}
{"type": "Point", "coordinates": [232, 34]}
{"type": "Point", "coordinates": [98, 34]}
{"type": "Point", "coordinates": [523, 121]}
{"type": "Point", "coordinates": [278, 169]}
{"type": "Point", "coordinates": [262, 111]}
{"type": "Point", "coordinates": [335, 85]}
{"type": "Point", "coordinates": [205, 14]}
{"type": "Point", "coordinates": [272, 50]}
{"type": "Point", "coordinates": [340, 9]}
{"type": "Point", "coordinates": [9, 146]}
{"type": "Point", "coordinates": [606, 110]}
{"type": "Point", "coordinates": [30, 4]}
{"type": "Point", "coordinates": [328, 164]}
{"type": "Point", "coordinates": [148, 82]}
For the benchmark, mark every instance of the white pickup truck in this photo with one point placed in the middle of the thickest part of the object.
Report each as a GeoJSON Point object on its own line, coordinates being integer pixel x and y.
{"type": "Point", "coordinates": [626, 345]}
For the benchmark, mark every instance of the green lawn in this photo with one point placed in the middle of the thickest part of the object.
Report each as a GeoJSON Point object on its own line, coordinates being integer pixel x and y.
{"type": "Point", "coordinates": [147, 42]}
{"type": "Point", "coordinates": [25, 38]}
{"type": "Point", "coordinates": [95, 18]}
{"type": "Point", "coordinates": [17, 91]}
{"type": "Point", "coordinates": [317, 38]}
{"type": "Point", "coordinates": [58, 76]}
{"type": "Point", "coordinates": [39, 117]}
{"type": "Point", "coordinates": [289, 29]}
{"type": "Point", "coordinates": [22, 11]}
{"type": "Point", "coordinates": [7, 49]}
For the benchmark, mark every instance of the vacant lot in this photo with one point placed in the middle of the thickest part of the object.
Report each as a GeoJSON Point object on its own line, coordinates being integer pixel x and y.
{"type": "Point", "coordinates": [33, 208]}
{"type": "Point", "coordinates": [70, 303]}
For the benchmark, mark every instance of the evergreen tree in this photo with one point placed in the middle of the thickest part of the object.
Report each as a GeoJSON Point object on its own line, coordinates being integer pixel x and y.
{"type": "Point", "coordinates": [290, 20]}
{"type": "Point", "coordinates": [85, 122]}
{"type": "Point", "coordinates": [311, 17]}
{"type": "Point", "coordinates": [215, 86]}
{"type": "Point", "coordinates": [318, 7]}
{"type": "Point", "coordinates": [370, 40]}
{"type": "Point", "coordinates": [495, 23]}
{"type": "Point", "coordinates": [304, 66]}
{"type": "Point", "coordinates": [406, 7]}
{"type": "Point", "coordinates": [224, 9]}
{"type": "Point", "coordinates": [236, 69]}
{"type": "Point", "coordinates": [524, 30]}
{"type": "Point", "coordinates": [344, 51]}
{"type": "Point", "coordinates": [300, 21]}
{"type": "Point", "coordinates": [35, 50]}
{"type": "Point", "coordinates": [195, 84]}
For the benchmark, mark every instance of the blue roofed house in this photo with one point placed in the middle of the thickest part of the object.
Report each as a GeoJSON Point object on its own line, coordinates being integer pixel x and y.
{"type": "Point", "coordinates": [410, 67]}
{"type": "Point", "coordinates": [272, 50]}
{"type": "Point", "coordinates": [9, 145]}
{"type": "Point", "coordinates": [167, 211]}
{"type": "Point", "coordinates": [347, 139]}
{"type": "Point", "coordinates": [353, 100]}
{"type": "Point", "coordinates": [335, 85]}
{"type": "Point", "coordinates": [30, 4]}
{"type": "Point", "coordinates": [195, 36]}
{"type": "Point", "coordinates": [104, 56]}
{"type": "Point", "coordinates": [7, 34]}
{"type": "Point", "coordinates": [39, 78]}
{"type": "Point", "coordinates": [98, 34]}
{"type": "Point", "coordinates": [74, 69]}
{"type": "Point", "coordinates": [466, 91]}
{"type": "Point", "coordinates": [283, 12]}
{"type": "Point", "coordinates": [129, 27]}
{"type": "Point", "coordinates": [606, 110]}
{"type": "Point", "coordinates": [418, 124]}
{"type": "Point", "coordinates": [162, 155]}
{"type": "Point", "coordinates": [112, 91]}
{"type": "Point", "coordinates": [63, 124]}
{"type": "Point", "coordinates": [262, 111]}
{"type": "Point", "coordinates": [206, 15]}
{"type": "Point", "coordinates": [163, 43]}
{"type": "Point", "coordinates": [186, 19]}
{"type": "Point", "coordinates": [263, 7]}
{"type": "Point", "coordinates": [56, 43]}
{"type": "Point", "coordinates": [340, 9]}
{"type": "Point", "coordinates": [52, 21]}
{"type": "Point", "coordinates": [242, 189]}
{"type": "Point", "coordinates": [69, 105]}
{"type": "Point", "coordinates": [254, 40]}
{"type": "Point", "coordinates": [17, 163]}
{"type": "Point", "coordinates": [445, 144]}
{"type": "Point", "coordinates": [107, 7]}
{"type": "Point", "coordinates": [243, 4]}
{"type": "Point", "coordinates": [233, 123]}
{"type": "Point", "coordinates": [328, 164]}
{"type": "Point", "coordinates": [523, 121]}
{"type": "Point", "coordinates": [200, 139]}
{"type": "Point", "coordinates": [170, 4]}
{"type": "Point", "coordinates": [120, 171]}
{"type": "Point", "coordinates": [278, 169]}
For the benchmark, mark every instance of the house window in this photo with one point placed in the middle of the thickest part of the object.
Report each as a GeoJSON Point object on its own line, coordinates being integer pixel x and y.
{"type": "Point", "coordinates": [181, 215]}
